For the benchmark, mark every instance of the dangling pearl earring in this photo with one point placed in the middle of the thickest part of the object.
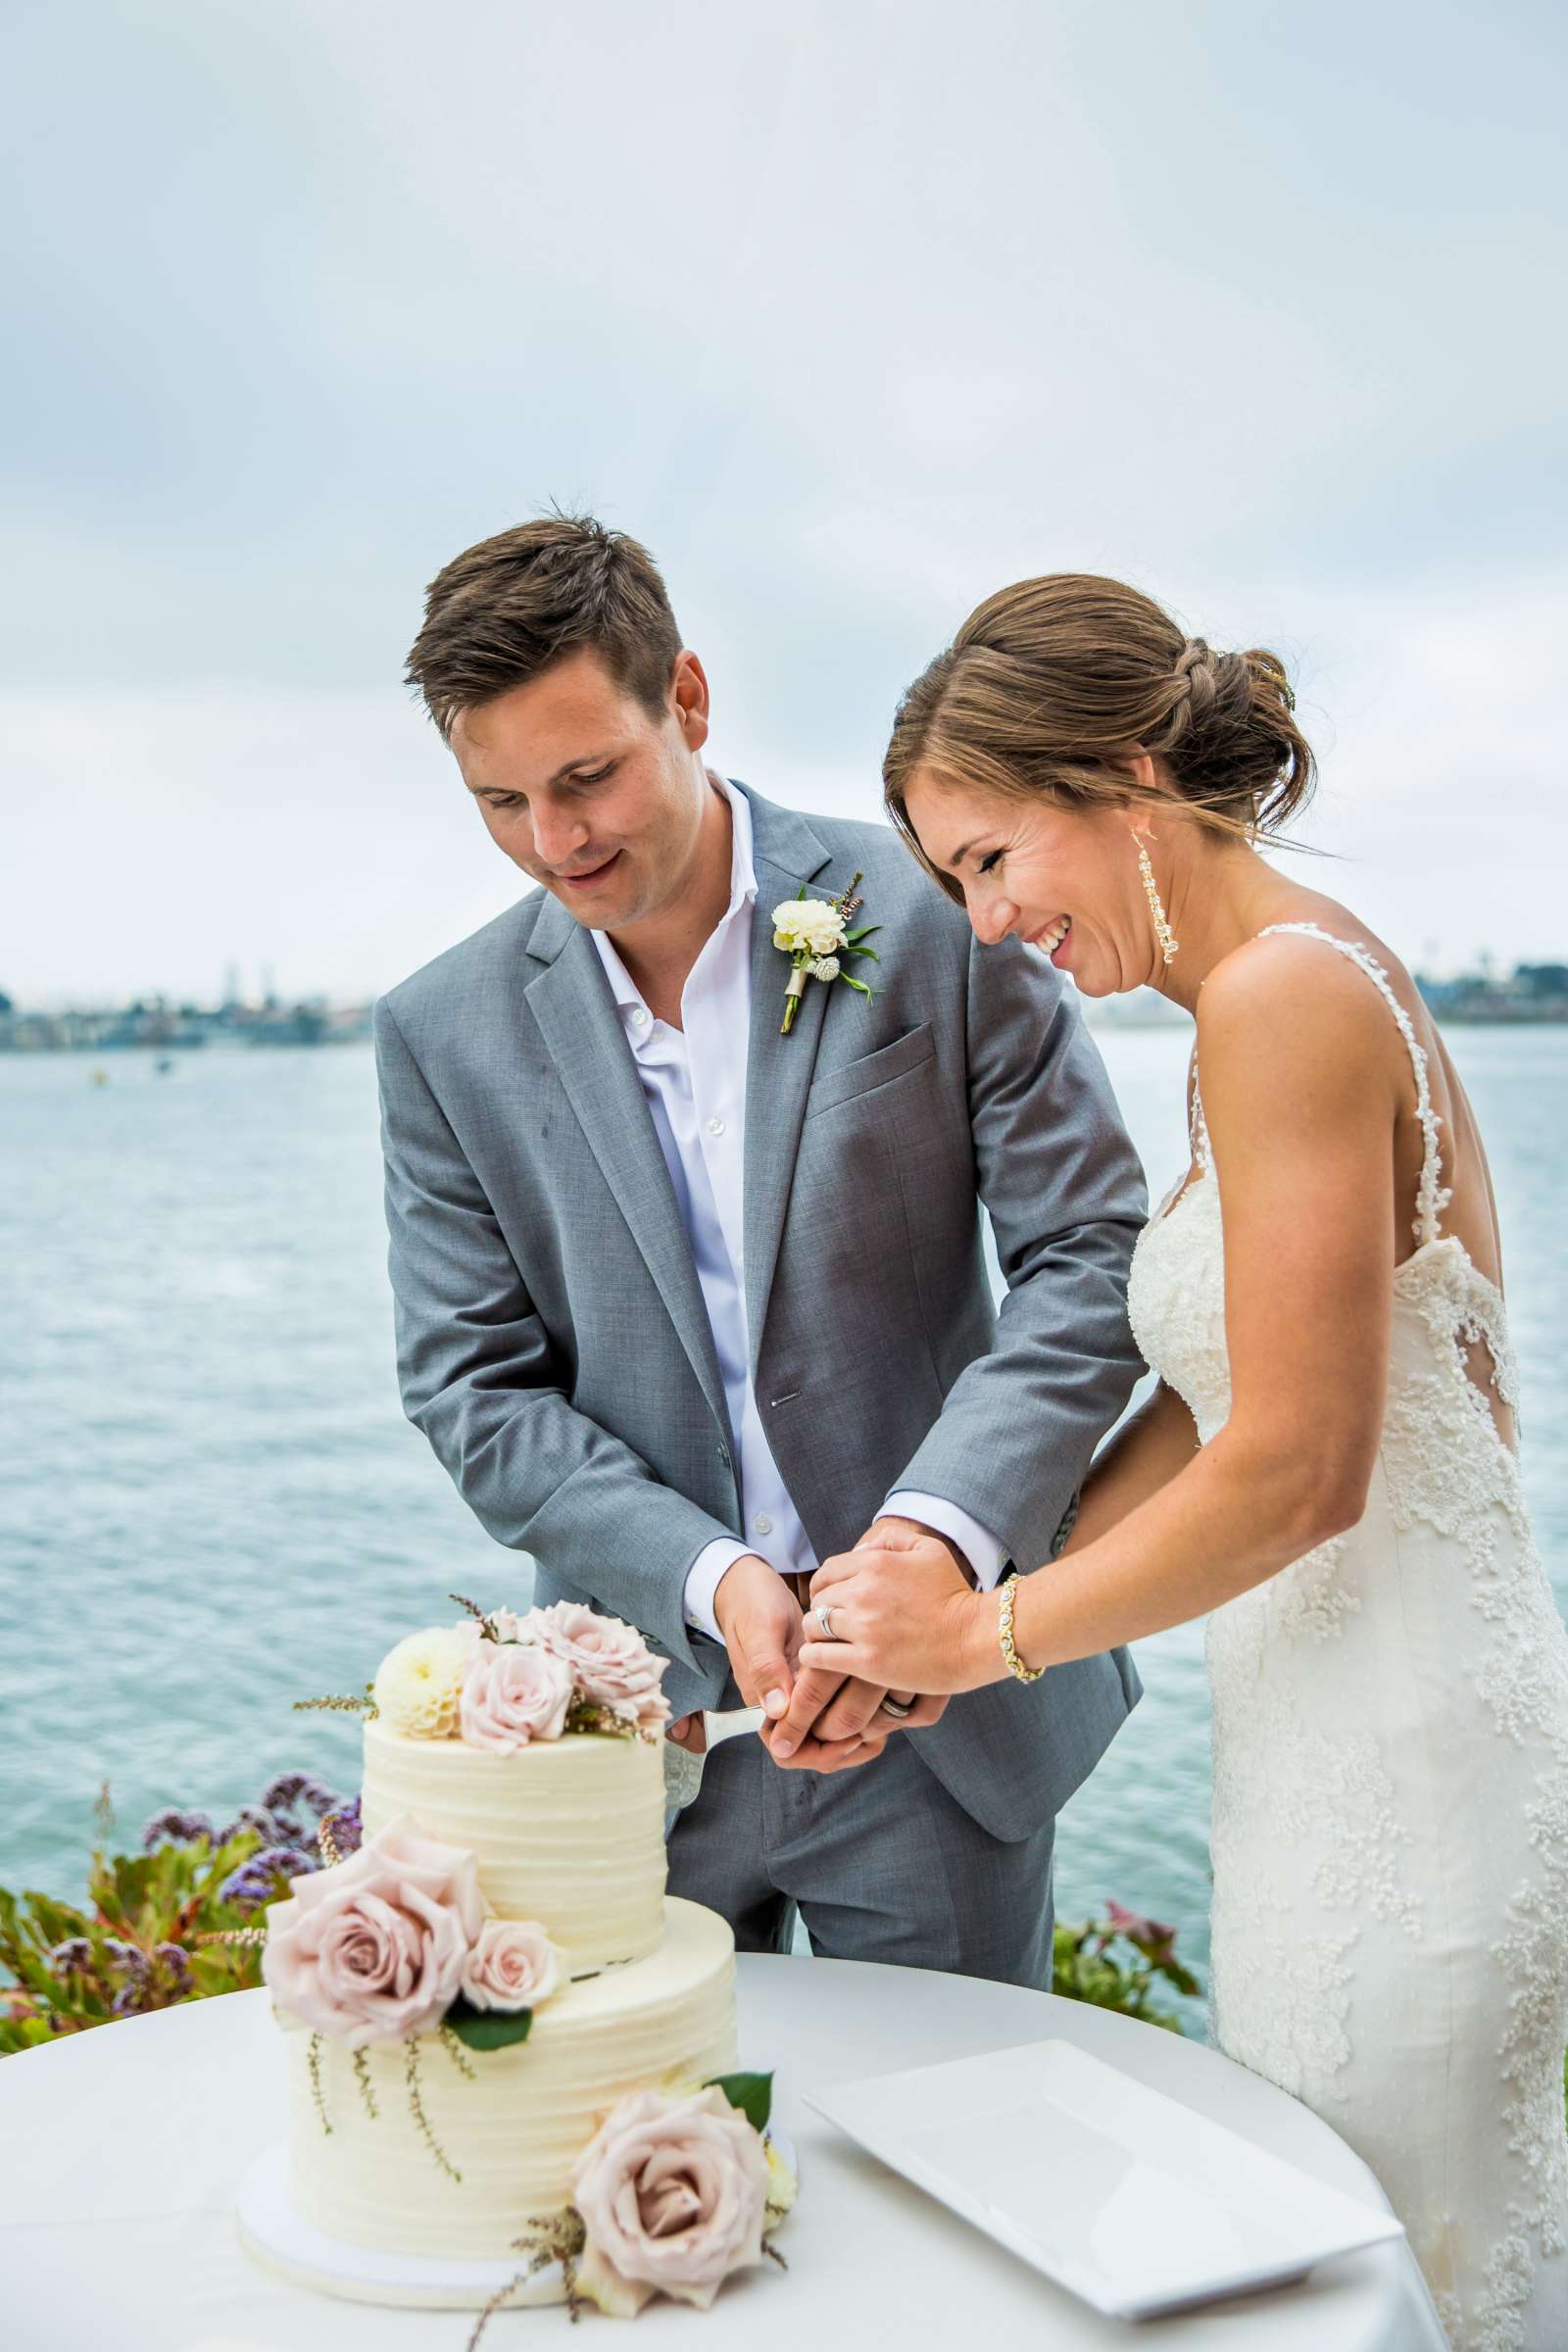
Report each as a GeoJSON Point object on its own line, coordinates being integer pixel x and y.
{"type": "Point", "coordinates": [1168, 942]}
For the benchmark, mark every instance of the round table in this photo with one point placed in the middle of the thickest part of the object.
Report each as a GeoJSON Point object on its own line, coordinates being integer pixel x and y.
{"type": "Point", "coordinates": [120, 2150]}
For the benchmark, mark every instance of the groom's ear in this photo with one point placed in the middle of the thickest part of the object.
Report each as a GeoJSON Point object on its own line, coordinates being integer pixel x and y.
{"type": "Point", "coordinates": [689, 700]}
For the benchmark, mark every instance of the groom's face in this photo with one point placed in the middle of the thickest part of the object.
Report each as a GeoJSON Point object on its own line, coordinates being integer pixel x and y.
{"type": "Point", "coordinates": [591, 792]}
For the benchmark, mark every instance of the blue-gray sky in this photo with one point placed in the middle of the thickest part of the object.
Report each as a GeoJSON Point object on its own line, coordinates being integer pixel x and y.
{"type": "Point", "coordinates": [853, 312]}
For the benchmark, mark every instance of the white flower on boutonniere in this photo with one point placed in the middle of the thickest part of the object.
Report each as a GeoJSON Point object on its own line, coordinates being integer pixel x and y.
{"type": "Point", "coordinates": [815, 934]}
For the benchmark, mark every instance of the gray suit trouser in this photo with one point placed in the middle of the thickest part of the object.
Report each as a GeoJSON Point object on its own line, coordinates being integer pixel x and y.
{"type": "Point", "coordinates": [879, 1861]}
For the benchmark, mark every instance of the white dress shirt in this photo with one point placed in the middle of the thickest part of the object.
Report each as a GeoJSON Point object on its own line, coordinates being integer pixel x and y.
{"type": "Point", "coordinates": [694, 1079]}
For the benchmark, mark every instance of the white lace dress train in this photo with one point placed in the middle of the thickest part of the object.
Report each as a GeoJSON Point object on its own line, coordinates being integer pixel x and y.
{"type": "Point", "coordinates": [1389, 1831]}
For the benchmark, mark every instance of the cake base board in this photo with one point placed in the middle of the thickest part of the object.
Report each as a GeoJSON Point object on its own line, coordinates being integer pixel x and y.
{"type": "Point", "coordinates": [283, 2240]}
{"type": "Point", "coordinates": [274, 2234]}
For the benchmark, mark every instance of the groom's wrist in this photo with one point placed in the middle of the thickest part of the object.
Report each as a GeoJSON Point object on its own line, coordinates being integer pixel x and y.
{"type": "Point", "coordinates": [923, 1527]}
{"type": "Point", "coordinates": [977, 1548]}
{"type": "Point", "coordinates": [741, 1582]}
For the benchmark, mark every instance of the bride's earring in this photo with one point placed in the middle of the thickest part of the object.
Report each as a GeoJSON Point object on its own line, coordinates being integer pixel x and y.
{"type": "Point", "coordinates": [1168, 942]}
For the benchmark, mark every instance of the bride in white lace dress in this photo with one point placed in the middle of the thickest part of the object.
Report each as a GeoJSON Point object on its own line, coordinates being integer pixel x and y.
{"type": "Point", "coordinates": [1328, 1468]}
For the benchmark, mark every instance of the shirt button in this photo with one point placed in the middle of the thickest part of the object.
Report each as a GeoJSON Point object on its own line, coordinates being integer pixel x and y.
{"type": "Point", "coordinates": [716, 1126]}
{"type": "Point", "coordinates": [639, 1016]}
{"type": "Point", "coordinates": [762, 1524]}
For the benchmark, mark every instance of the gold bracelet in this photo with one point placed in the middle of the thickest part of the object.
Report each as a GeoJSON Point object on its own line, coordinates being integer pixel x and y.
{"type": "Point", "coordinates": [1009, 1648]}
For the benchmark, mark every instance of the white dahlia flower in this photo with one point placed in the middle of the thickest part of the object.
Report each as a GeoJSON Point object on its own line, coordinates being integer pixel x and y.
{"type": "Point", "coordinates": [418, 1683]}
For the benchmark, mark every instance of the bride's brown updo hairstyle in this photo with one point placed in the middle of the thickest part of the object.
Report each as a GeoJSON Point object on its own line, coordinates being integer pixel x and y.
{"type": "Point", "coordinates": [1051, 681]}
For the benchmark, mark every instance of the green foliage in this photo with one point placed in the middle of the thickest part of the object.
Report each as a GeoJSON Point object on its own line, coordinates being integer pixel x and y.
{"type": "Point", "coordinates": [135, 1945]}
{"type": "Point", "coordinates": [1121, 1962]}
{"type": "Point", "coordinates": [753, 2094]}
{"type": "Point", "coordinates": [488, 2029]}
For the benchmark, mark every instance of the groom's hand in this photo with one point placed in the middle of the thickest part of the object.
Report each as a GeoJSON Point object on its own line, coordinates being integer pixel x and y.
{"type": "Point", "coordinates": [834, 1719]}
{"type": "Point", "coordinates": [759, 1619]}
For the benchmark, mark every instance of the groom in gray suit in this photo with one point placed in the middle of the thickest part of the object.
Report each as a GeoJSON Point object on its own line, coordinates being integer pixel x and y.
{"type": "Point", "coordinates": [686, 1303]}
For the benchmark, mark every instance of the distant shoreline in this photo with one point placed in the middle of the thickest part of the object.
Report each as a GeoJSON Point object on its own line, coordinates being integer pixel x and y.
{"type": "Point", "coordinates": [1554, 1016]}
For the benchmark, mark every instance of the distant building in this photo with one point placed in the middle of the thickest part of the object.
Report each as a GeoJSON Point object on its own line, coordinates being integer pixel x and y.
{"type": "Point", "coordinates": [164, 1027]}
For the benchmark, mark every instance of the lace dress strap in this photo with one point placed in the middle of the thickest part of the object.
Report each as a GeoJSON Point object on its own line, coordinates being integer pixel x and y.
{"type": "Point", "coordinates": [1198, 1128]}
{"type": "Point", "coordinates": [1431, 1195]}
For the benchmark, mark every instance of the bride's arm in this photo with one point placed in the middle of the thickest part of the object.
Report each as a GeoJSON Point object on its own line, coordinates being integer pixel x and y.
{"type": "Point", "coordinates": [1138, 1459]}
{"type": "Point", "coordinates": [1301, 1098]}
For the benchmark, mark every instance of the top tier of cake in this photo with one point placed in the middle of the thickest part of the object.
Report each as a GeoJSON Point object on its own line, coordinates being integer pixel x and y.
{"type": "Point", "coordinates": [568, 1831]}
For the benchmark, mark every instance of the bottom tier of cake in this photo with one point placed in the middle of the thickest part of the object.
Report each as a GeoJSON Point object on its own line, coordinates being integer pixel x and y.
{"type": "Point", "coordinates": [514, 2133]}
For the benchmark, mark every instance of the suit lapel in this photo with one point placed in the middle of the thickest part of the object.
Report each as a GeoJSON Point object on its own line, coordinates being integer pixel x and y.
{"type": "Point", "coordinates": [573, 1002]}
{"type": "Point", "coordinates": [778, 1075]}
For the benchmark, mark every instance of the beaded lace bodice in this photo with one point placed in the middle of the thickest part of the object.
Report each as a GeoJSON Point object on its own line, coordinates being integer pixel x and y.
{"type": "Point", "coordinates": [1391, 1772]}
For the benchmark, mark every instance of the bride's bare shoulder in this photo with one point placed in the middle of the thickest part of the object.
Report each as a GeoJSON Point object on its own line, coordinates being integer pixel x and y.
{"type": "Point", "coordinates": [1289, 1002]}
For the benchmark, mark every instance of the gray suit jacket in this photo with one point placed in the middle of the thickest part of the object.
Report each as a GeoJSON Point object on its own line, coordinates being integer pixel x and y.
{"type": "Point", "coordinates": [553, 1343]}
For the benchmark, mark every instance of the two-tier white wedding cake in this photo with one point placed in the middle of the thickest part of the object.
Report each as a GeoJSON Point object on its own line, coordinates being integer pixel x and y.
{"type": "Point", "coordinates": [505, 2045]}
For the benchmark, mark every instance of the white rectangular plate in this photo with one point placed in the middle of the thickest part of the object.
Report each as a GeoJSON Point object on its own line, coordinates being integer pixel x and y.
{"type": "Point", "coordinates": [1133, 2201]}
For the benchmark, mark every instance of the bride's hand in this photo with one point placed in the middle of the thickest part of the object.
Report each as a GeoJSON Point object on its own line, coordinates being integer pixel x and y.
{"type": "Point", "coordinates": [904, 1620]}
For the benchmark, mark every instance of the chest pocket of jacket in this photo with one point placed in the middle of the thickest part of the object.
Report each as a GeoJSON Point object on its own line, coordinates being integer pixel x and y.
{"type": "Point", "coordinates": [853, 1079]}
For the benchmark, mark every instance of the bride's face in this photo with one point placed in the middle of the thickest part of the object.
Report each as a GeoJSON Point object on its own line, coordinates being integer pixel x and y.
{"type": "Point", "coordinates": [1066, 880]}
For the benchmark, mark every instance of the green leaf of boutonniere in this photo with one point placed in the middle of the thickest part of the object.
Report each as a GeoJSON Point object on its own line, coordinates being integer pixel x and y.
{"type": "Point", "coordinates": [865, 932]}
{"type": "Point", "coordinates": [488, 2029]}
{"type": "Point", "coordinates": [753, 2094]}
{"type": "Point", "coordinates": [850, 981]}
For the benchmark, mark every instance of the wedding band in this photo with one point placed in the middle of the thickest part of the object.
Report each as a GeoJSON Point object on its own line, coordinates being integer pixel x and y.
{"type": "Point", "coordinates": [824, 1618]}
{"type": "Point", "coordinates": [897, 1709]}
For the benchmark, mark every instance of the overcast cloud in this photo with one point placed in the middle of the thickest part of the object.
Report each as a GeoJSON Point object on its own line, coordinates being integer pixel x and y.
{"type": "Point", "coordinates": [854, 314]}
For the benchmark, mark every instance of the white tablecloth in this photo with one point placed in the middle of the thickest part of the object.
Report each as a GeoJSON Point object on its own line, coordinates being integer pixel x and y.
{"type": "Point", "coordinates": [120, 2149]}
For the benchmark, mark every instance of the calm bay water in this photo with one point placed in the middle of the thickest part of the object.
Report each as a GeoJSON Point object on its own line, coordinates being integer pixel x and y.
{"type": "Point", "coordinates": [211, 1504]}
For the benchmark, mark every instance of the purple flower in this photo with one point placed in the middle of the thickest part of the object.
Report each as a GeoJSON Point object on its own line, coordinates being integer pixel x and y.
{"type": "Point", "coordinates": [283, 1861]}
{"type": "Point", "coordinates": [243, 1886]}
{"type": "Point", "coordinates": [285, 1791]}
{"type": "Point", "coordinates": [176, 1962]}
{"type": "Point", "coordinates": [173, 1828]}
{"type": "Point", "coordinates": [318, 1797]}
{"type": "Point", "coordinates": [134, 2002]}
{"type": "Point", "coordinates": [256, 1880]}
{"type": "Point", "coordinates": [71, 1958]}
{"type": "Point", "coordinates": [345, 1829]}
{"type": "Point", "coordinates": [251, 1817]}
{"type": "Point", "coordinates": [127, 1956]}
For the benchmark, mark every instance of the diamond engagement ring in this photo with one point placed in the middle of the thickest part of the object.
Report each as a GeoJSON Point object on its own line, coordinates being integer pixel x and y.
{"type": "Point", "coordinates": [824, 1618]}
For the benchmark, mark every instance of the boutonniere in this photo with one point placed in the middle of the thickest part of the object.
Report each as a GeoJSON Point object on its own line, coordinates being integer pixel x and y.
{"type": "Point", "coordinates": [815, 935]}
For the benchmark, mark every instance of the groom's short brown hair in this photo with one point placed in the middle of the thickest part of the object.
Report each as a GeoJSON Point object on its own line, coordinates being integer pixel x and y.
{"type": "Point", "coordinates": [502, 611]}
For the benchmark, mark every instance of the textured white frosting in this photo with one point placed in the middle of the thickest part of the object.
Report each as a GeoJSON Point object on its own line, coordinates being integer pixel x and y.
{"type": "Point", "coordinates": [568, 1831]}
{"type": "Point", "coordinates": [515, 2133]}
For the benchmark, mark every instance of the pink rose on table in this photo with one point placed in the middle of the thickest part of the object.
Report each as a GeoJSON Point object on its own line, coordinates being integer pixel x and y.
{"type": "Point", "coordinates": [513, 1966]}
{"type": "Point", "coordinates": [673, 2197]}
{"type": "Point", "coordinates": [375, 1949]}
{"type": "Point", "coordinates": [610, 1660]}
{"type": "Point", "coordinates": [512, 1695]}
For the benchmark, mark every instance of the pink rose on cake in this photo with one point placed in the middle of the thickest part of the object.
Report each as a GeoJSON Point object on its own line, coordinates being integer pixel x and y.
{"type": "Point", "coordinates": [673, 2197]}
{"type": "Point", "coordinates": [373, 1949]}
{"type": "Point", "coordinates": [513, 1966]}
{"type": "Point", "coordinates": [610, 1661]}
{"type": "Point", "coordinates": [511, 1696]}
{"type": "Point", "coordinates": [510, 1627]}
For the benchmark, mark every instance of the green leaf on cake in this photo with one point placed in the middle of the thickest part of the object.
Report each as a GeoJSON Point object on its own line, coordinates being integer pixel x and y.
{"type": "Point", "coordinates": [753, 2094]}
{"type": "Point", "coordinates": [488, 2029]}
